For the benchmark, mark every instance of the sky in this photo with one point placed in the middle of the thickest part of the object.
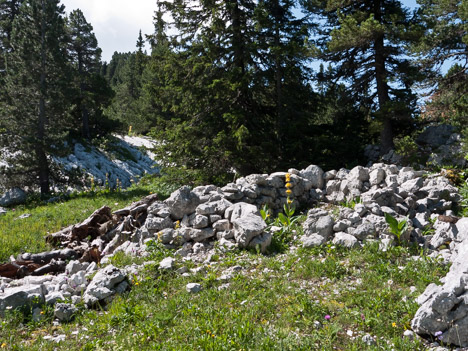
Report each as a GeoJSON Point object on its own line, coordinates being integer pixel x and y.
{"type": "Point", "coordinates": [117, 23]}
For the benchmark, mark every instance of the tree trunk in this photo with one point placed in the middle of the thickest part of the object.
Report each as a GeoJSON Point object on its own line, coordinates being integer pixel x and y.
{"type": "Point", "coordinates": [40, 144]}
{"type": "Point", "coordinates": [84, 111]}
{"type": "Point", "coordinates": [386, 135]}
{"type": "Point", "coordinates": [278, 81]}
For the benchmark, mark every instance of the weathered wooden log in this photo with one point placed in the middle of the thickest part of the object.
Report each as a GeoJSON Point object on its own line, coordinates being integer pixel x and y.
{"type": "Point", "coordinates": [17, 269]}
{"type": "Point", "coordinates": [107, 226]}
{"type": "Point", "coordinates": [135, 206]}
{"type": "Point", "coordinates": [60, 236]}
{"type": "Point", "coordinates": [90, 226]}
{"type": "Point", "coordinates": [52, 267]}
{"type": "Point", "coordinates": [46, 257]}
{"type": "Point", "coordinates": [125, 225]}
{"type": "Point", "coordinates": [91, 255]}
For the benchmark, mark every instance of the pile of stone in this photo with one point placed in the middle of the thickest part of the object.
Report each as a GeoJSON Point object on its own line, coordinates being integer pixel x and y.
{"type": "Point", "coordinates": [444, 309]}
{"type": "Point", "coordinates": [370, 193]}
{"type": "Point", "coordinates": [347, 207]}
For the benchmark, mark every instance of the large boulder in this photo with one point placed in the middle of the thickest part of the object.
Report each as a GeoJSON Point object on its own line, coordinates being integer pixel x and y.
{"type": "Point", "coordinates": [13, 197]}
{"type": "Point", "coordinates": [104, 285]}
{"type": "Point", "coordinates": [444, 309]}
{"type": "Point", "coordinates": [17, 297]}
{"type": "Point", "coordinates": [182, 202]}
{"type": "Point", "coordinates": [248, 227]}
{"type": "Point", "coordinates": [314, 174]}
{"type": "Point", "coordinates": [436, 136]}
{"type": "Point", "coordinates": [320, 223]}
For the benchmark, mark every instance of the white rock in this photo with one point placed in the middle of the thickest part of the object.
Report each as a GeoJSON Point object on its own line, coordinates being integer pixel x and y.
{"type": "Point", "coordinates": [167, 263]}
{"type": "Point", "coordinates": [193, 287]}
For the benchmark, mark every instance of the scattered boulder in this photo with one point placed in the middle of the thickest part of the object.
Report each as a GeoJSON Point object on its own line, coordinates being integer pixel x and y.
{"type": "Point", "coordinates": [13, 197]}
{"type": "Point", "coordinates": [182, 202]}
{"type": "Point", "coordinates": [65, 312]}
{"type": "Point", "coordinates": [193, 288]}
{"type": "Point", "coordinates": [247, 227]}
{"type": "Point", "coordinates": [103, 285]}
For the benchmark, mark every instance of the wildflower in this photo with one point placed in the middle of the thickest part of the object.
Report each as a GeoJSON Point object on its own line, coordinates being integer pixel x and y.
{"type": "Point", "coordinates": [289, 185]}
{"type": "Point", "coordinates": [327, 317]}
{"type": "Point", "coordinates": [289, 192]}
{"type": "Point", "coordinates": [42, 312]}
{"type": "Point", "coordinates": [4, 345]}
{"type": "Point", "coordinates": [394, 325]}
{"type": "Point", "coordinates": [290, 201]}
{"type": "Point", "coordinates": [287, 177]}
{"type": "Point", "coordinates": [438, 335]}
{"type": "Point", "coordinates": [177, 225]}
{"type": "Point", "coordinates": [363, 317]}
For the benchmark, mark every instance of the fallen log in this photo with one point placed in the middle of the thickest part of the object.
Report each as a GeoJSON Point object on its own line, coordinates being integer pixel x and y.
{"type": "Point", "coordinates": [52, 267]}
{"type": "Point", "coordinates": [91, 255]}
{"type": "Point", "coordinates": [17, 269]}
{"type": "Point", "coordinates": [46, 257]}
{"type": "Point", "coordinates": [90, 226]}
{"type": "Point", "coordinates": [60, 236]}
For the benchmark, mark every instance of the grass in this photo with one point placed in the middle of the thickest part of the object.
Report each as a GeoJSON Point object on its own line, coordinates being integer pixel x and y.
{"type": "Point", "coordinates": [276, 302]}
{"type": "Point", "coordinates": [19, 235]}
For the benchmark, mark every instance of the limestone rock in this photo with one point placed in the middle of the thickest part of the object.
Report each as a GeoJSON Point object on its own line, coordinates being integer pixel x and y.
{"type": "Point", "coordinates": [346, 240]}
{"type": "Point", "coordinates": [182, 202]}
{"type": "Point", "coordinates": [167, 264]}
{"type": "Point", "coordinates": [102, 285]}
{"type": "Point", "coordinates": [20, 296]}
{"type": "Point", "coordinates": [261, 241]}
{"type": "Point", "coordinates": [322, 226]}
{"type": "Point", "coordinates": [248, 227]}
{"type": "Point", "coordinates": [65, 312]}
{"type": "Point", "coordinates": [312, 240]}
{"type": "Point", "coordinates": [240, 209]}
{"type": "Point", "coordinates": [193, 288]}
{"type": "Point", "coordinates": [13, 197]}
{"type": "Point", "coordinates": [314, 174]}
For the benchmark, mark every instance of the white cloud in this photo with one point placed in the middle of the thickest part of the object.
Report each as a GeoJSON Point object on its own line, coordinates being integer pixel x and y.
{"type": "Point", "coordinates": [116, 23]}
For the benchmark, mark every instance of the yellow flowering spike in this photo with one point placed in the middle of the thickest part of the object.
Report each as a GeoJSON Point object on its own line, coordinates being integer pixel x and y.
{"type": "Point", "coordinates": [290, 201]}
{"type": "Point", "coordinates": [287, 177]}
{"type": "Point", "coordinates": [289, 192]}
{"type": "Point", "coordinates": [289, 185]}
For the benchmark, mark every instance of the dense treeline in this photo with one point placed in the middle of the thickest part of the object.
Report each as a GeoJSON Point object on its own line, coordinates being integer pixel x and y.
{"type": "Point", "coordinates": [229, 86]}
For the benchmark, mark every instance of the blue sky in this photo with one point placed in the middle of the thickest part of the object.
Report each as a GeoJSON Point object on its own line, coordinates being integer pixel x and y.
{"type": "Point", "coordinates": [116, 23]}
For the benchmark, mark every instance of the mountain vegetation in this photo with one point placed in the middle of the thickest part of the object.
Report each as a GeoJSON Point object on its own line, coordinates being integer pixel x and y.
{"type": "Point", "coordinates": [232, 87]}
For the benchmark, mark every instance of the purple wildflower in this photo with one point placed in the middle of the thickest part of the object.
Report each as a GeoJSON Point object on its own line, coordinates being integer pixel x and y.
{"type": "Point", "coordinates": [327, 317]}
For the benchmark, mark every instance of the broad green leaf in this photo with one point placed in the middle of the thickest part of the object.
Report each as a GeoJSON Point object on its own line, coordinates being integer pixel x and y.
{"type": "Point", "coordinates": [392, 222]}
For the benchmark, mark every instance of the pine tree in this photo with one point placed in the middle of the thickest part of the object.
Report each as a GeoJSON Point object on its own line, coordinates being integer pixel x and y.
{"type": "Point", "coordinates": [36, 84]}
{"type": "Point", "coordinates": [445, 41]}
{"type": "Point", "coordinates": [283, 77]}
{"type": "Point", "coordinates": [125, 72]}
{"type": "Point", "coordinates": [86, 60]}
{"type": "Point", "coordinates": [8, 11]}
{"type": "Point", "coordinates": [365, 41]}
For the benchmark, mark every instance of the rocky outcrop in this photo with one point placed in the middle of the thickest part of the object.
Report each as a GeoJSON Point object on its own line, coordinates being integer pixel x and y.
{"type": "Point", "coordinates": [191, 222]}
{"type": "Point", "coordinates": [12, 197]}
{"type": "Point", "coordinates": [444, 308]}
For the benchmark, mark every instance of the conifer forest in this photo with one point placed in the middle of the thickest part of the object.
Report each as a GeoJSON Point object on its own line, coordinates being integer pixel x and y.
{"type": "Point", "coordinates": [233, 86]}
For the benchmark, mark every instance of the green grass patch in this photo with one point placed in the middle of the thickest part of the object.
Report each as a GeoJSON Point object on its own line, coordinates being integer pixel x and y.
{"type": "Point", "coordinates": [278, 302]}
